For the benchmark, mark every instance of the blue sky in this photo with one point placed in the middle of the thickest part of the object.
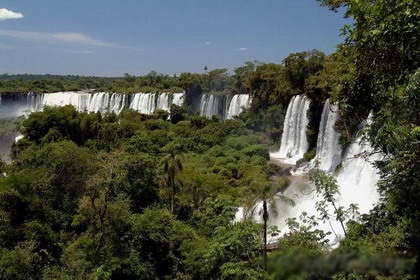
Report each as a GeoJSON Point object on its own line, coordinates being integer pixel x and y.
{"type": "Point", "coordinates": [112, 37]}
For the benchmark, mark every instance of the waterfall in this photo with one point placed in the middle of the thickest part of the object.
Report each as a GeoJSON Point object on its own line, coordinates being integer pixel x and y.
{"type": "Point", "coordinates": [117, 102]}
{"type": "Point", "coordinates": [144, 103]}
{"type": "Point", "coordinates": [104, 102]}
{"type": "Point", "coordinates": [238, 102]}
{"type": "Point", "coordinates": [358, 176]}
{"type": "Point", "coordinates": [13, 105]}
{"type": "Point", "coordinates": [212, 105]}
{"type": "Point", "coordinates": [79, 100]}
{"type": "Point", "coordinates": [357, 180]}
{"type": "Point", "coordinates": [294, 142]}
{"type": "Point", "coordinates": [147, 103]}
{"type": "Point", "coordinates": [328, 148]}
{"type": "Point", "coordinates": [99, 103]}
{"type": "Point", "coordinates": [178, 99]}
{"type": "Point", "coordinates": [163, 101]}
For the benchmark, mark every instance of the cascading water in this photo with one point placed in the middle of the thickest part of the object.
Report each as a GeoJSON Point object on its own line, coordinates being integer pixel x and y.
{"type": "Point", "coordinates": [16, 104]}
{"type": "Point", "coordinates": [358, 175]}
{"type": "Point", "coordinates": [13, 105]}
{"type": "Point", "coordinates": [238, 102]}
{"type": "Point", "coordinates": [79, 100]}
{"type": "Point", "coordinates": [84, 102]}
{"type": "Point", "coordinates": [357, 180]}
{"type": "Point", "coordinates": [163, 101]}
{"type": "Point", "coordinates": [147, 103]}
{"type": "Point", "coordinates": [144, 103]}
{"type": "Point", "coordinates": [328, 149]}
{"type": "Point", "coordinates": [294, 142]}
{"type": "Point", "coordinates": [217, 105]}
{"type": "Point", "coordinates": [178, 99]}
{"type": "Point", "coordinates": [212, 105]}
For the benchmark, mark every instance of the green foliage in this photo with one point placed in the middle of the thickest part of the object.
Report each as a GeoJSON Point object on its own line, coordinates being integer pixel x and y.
{"type": "Point", "coordinates": [85, 194]}
{"type": "Point", "coordinates": [17, 264]}
{"type": "Point", "coordinates": [268, 85]}
{"type": "Point", "coordinates": [308, 156]}
{"type": "Point", "coordinates": [220, 257]}
{"type": "Point", "coordinates": [328, 190]}
{"type": "Point", "coordinates": [299, 66]}
{"type": "Point", "coordinates": [283, 183]}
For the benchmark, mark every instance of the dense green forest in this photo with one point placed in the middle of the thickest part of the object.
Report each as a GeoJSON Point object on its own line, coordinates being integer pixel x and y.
{"type": "Point", "coordinates": [131, 196]}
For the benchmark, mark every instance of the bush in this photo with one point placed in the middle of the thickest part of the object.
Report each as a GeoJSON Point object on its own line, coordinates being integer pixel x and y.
{"type": "Point", "coordinates": [259, 150]}
{"type": "Point", "coordinates": [308, 156]}
{"type": "Point", "coordinates": [283, 182]}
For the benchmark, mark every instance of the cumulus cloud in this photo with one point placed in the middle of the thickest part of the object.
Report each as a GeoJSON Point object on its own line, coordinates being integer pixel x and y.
{"type": "Point", "coordinates": [66, 37]}
{"type": "Point", "coordinates": [207, 43]}
{"type": "Point", "coordinates": [240, 49]}
{"type": "Point", "coordinates": [7, 14]}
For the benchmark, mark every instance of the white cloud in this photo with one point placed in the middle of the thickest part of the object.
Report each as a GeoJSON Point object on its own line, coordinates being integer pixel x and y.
{"type": "Point", "coordinates": [66, 37]}
{"type": "Point", "coordinates": [241, 49]}
{"type": "Point", "coordinates": [83, 52]}
{"type": "Point", "coordinates": [207, 43]}
{"type": "Point", "coordinates": [7, 14]}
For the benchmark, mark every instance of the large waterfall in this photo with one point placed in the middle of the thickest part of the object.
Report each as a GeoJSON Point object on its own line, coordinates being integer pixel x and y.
{"type": "Point", "coordinates": [357, 177]}
{"type": "Point", "coordinates": [357, 180]}
{"type": "Point", "coordinates": [98, 102]}
{"type": "Point", "coordinates": [146, 103]}
{"type": "Point", "coordinates": [102, 102]}
{"type": "Point", "coordinates": [328, 148]}
{"type": "Point", "coordinates": [294, 142]}
{"type": "Point", "coordinates": [236, 105]}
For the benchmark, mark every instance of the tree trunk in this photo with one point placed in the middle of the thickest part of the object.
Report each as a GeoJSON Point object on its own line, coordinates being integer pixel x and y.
{"type": "Point", "coordinates": [339, 218]}
{"type": "Point", "coordinates": [172, 191]}
{"type": "Point", "coordinates": [265, 218]}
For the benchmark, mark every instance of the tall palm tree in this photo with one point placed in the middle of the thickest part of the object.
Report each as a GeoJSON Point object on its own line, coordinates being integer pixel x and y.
{"type": "Point", "coordinates": [268, 194]}
{"type": "Point", "coordinates": [172, 164]}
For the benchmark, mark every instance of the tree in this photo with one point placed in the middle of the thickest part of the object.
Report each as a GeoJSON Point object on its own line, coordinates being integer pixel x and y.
{"type": "Point", "coordinates": [268, 194]}
{"type": "Point", "coordinates": [268, 85]}
{"type": "Point", "coordinates": [138, 180]}
{"type": "Point", "coordinates": [172, 164]}
{"type": "Point", "coordinates": [299, 66]}
{"type": "Point", "coordinates": [327, 187]}
{"type": "Point", "coordinates": [384, 48]}
{"type": "Point", "coordinates": [241, 73]}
